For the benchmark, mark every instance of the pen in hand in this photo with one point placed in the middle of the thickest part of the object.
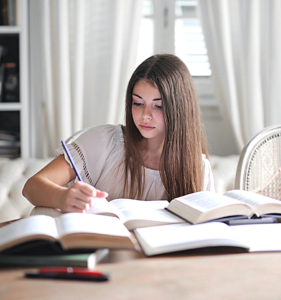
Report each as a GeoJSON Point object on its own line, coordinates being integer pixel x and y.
{"type": "Point", "coordinates": [76, 170]}
{"type": "Point", "coordinates": [71, 161]}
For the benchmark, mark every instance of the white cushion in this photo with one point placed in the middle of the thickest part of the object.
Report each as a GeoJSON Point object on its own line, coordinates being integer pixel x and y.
{"type": "Point", "coordinates": [13, 175]}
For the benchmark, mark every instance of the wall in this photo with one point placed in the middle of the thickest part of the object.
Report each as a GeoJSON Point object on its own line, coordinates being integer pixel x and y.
{"type": "Point", "coordinates": [219, 136]}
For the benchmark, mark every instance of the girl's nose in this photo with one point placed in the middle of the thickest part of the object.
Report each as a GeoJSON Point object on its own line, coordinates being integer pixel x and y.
{"type": "Point", "coordinates": [147, 113]}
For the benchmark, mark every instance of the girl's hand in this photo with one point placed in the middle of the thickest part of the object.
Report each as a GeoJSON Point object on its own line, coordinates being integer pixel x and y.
{"type": "Point", "coordinates": [79, 197]}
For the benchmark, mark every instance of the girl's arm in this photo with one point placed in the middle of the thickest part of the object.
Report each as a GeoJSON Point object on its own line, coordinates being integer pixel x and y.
{"type": "Point", "coordinates": [46, 188]}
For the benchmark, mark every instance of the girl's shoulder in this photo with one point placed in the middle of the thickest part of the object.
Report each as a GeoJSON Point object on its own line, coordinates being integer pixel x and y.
{"type": "Point", "coordinates": [106, 129]}
{"type": "Point", "coordinates": [102, 135]}
{"type": "Point", "coordinates": [208, 174]}
{"type": "Point", "coordinates": [97, 141]}
{"type": "Point", "coordinates": [204, 157]}
{"type": "Point", "coordinates": [206, 161]}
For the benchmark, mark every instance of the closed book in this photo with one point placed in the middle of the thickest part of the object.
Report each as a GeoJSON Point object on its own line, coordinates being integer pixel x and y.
{"type": "Point", "coordinates": [82, 260]}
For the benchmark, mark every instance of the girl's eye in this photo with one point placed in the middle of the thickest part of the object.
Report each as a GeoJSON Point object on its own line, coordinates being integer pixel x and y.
{"type": "Point", "coordinates": [137, 103]}
{"type": "Point", "coordinates": [159, 106]}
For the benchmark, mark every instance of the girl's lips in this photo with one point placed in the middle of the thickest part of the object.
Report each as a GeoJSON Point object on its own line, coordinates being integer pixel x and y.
{"type": "Point", "coordinates": [146, 127]}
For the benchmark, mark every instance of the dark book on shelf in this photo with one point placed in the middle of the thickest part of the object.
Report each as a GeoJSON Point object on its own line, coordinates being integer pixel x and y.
{"type": "Point", "coordinates": [9, 144]}
{"type": "Point", "coordinates": [13, 150]}
{"type": "Point", "coordinates": [12, 12]}
{"type": "Point", "coordinates": [2, 54]}
{"type": "Point", "coordinates": [8, 12]}
{"type": "Point", "coordinates": [10, 125]}
{"type": "Point", "coordinates": [11, 83]}
{"type": "Point", "coordinates": [4, 12]}
{"type": "Point", "coordinates": [1, 80]}
{"type": "Point", "coordinates": [8, 136]}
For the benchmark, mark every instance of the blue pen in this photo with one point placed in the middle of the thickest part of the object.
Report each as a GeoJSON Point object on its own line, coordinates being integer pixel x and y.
{"type": "Point", "coordinates": [71, 160]}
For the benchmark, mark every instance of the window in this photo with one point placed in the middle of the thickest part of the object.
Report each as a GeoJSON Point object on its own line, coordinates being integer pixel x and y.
{"type": "Point", "coordinates": [173, 26]}
{"type": "Point", "coordinates": [145, 46]}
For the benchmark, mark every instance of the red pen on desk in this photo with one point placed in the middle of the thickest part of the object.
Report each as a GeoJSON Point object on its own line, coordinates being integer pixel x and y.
{"type": "Point", "coordinates": [68, 273]}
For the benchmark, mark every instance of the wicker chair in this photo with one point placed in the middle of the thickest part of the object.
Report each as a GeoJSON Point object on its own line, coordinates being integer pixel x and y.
{"type": "Point", "coordinates": [259, 166]}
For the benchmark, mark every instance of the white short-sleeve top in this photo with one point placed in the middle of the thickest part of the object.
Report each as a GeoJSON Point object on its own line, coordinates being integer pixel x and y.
{"type": "Point", "coordinates": [99, 153]}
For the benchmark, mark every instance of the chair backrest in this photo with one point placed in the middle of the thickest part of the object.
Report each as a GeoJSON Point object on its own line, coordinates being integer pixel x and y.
{"type": "Point", "coordinates": [76, 135]}
{"type": "Point", "coordinates": [259, 166]}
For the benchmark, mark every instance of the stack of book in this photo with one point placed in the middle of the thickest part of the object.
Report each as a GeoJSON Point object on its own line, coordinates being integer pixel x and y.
{"type": "Point", "coordinates": [198, 220]}
{"type": "Point", "coordinates": [2, 53]}
{"type": "Point", "coordinates": [8, 12]}
{"type": "Point", "coordinates": [87, 260]}
{"type": "Point", "coordinates": [9, 145]}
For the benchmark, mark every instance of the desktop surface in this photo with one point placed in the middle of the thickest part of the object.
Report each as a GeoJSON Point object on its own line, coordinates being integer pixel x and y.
{"type": "Point", "coordinates": [219, 273]}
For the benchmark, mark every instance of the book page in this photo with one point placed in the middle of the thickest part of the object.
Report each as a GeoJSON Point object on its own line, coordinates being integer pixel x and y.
{"type": "Point", "coordinates": [154, 211]}
{"type": "Point", "coordinates": [28, 227]}
{"type": "Point", "coordinates": [72, 223]}
{"type": "Point", "coordinates": [253, 199]}
{"type": "Point", "coordinates": [103, 207]}
{"type": "Point", "coordinates": [206, 201]}
{"type": "Point", "coordinates": [47, 211]}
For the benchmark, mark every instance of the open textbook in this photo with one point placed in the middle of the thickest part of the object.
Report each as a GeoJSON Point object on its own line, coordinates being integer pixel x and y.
{"type": "Point", "coordinates": [178, 237]}
{"type": "Point", "coordinates": [71, 231]}
{"type": "Point", "coordinates": [132, 213]}
{"type": "Point", "coordinates": [206, 206]}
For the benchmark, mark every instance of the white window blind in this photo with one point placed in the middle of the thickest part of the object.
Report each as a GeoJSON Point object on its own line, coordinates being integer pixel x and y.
{"type": "Point", "coordinates": [187, 38]}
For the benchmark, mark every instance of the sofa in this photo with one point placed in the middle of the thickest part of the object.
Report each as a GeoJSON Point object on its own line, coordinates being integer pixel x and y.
{"type": "Point", "coordinates": [13, 175]}
{"type": "Point", "coordinates": [15, 172]}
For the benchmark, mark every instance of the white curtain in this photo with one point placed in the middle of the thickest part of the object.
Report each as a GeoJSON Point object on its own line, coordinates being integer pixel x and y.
{"type": "Point", "coordinates": [243, 40]}
{"type": "Point", "coordinates": [82, 55]}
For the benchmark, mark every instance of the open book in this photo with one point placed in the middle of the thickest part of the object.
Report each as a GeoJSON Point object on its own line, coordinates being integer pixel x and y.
{"type": "Point", "coordinates": [132, 213]}
{"type": "Point", "coordinates": [206, 206]}
{"type": "Point", "coordinates": [71, 231]}
{"type": "Point", "coordinates": [178, 237]}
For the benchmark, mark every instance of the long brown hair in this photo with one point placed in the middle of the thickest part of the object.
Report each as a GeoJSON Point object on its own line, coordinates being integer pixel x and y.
{"type": "Point", "coordinates": [181, 167]}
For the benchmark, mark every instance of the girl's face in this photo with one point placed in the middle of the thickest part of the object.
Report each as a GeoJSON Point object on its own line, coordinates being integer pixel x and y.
{"type": "Point", "coordinates": [147, 111]}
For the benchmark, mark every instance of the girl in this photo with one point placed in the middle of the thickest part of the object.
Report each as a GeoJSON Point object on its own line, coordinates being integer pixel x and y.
{"type": "Point", "coordinates": [159, 154]}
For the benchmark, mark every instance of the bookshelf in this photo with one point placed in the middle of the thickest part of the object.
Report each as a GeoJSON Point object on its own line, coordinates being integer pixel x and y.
{"type": "Point", "coordinates": [14, 108]}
